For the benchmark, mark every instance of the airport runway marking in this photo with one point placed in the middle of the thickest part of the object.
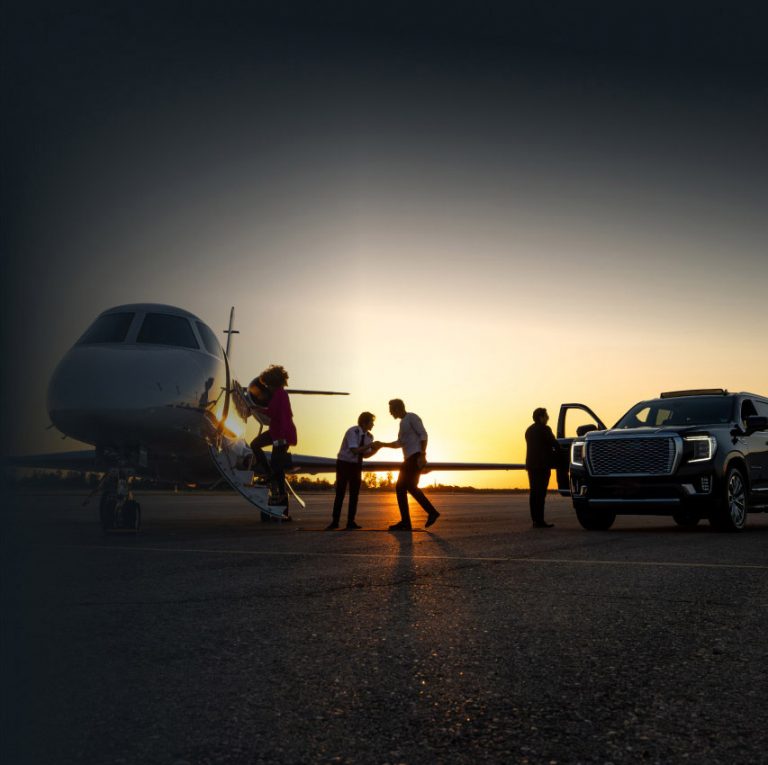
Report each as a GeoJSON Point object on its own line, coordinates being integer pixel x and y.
{"type": "Point", "coordinates": [482, 558]}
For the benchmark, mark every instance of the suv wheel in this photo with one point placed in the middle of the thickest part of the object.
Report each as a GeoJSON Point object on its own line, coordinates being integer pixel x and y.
{"type": "Point", "coordinates": [730, 510]}
{"type": "Point", "coordinates": [592, 520]}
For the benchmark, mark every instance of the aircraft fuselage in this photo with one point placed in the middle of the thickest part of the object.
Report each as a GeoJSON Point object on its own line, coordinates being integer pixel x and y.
{"type": "Point", "coordinates": [148, 403]}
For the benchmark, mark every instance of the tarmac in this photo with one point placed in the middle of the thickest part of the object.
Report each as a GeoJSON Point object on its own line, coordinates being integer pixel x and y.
{"type": "Point", "coordinates": [211, 637]}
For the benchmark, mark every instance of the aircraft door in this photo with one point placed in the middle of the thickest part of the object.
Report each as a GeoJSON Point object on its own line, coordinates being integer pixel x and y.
{"type": "Point", "coordinates": [574, 420]}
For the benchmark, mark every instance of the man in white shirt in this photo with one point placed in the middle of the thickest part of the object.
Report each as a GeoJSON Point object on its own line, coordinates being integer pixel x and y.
{"type": "Point", "coordinates": [412, 438]}
{"type": "Point", "coordinates": [356, 444]}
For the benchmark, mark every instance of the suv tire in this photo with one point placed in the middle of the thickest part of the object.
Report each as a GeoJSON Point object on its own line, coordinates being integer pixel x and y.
{"type": "Point", "coordinates": [593, 520]}
{"type": "Point", "coordinates": [729, 512]}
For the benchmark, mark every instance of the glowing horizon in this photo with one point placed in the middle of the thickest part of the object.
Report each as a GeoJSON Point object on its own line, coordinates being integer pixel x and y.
{"type": "Point", "coordinates": [479, 240]}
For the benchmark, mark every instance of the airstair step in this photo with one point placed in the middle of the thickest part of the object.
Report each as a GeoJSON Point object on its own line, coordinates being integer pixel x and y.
{"type": "Point", "coordinates": [244, 477]}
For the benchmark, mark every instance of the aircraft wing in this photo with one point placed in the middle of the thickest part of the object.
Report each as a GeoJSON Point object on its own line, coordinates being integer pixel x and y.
{"type": "Point", "coordinates": [83, 461]}
{"type": "Point", "coordinates": [307, 464]}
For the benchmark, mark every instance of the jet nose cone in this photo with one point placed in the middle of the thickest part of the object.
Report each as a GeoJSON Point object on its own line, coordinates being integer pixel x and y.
{"type": "Point", "coordinates": [113, 393]}
{"type": "Point", "coordinates": [78, 391]}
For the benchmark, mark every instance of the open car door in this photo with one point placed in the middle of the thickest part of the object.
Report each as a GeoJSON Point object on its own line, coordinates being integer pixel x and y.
{"type": "Point", "coordinates": [573, 421]}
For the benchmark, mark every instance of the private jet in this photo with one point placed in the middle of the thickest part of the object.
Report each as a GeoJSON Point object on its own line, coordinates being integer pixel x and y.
{"type": "Point", "coordinates": [150, 387]}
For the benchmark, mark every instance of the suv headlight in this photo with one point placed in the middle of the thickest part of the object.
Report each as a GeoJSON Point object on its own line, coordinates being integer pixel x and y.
{"type": "Point", "coordinates": [704, 447]}
{"type": "Point", "coordinates": [578, 449]}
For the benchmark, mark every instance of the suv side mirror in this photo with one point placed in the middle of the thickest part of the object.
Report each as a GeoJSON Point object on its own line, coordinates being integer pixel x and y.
{"type": "Point", "coordinates": [756, 423]}
{"type": "Point", "coordinates": [582, 430]}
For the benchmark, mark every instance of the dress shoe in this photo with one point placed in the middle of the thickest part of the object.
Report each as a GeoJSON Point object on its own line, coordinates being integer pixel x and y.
{"type": "Point", "coordinates": [353, 525]}
{"type": "Point", "coordinates": [331, 526]}
{"type": "Point", "coordinates": [400, 527]}
{"type": "Point", "coordinates": [543, 525]}
{"type": "Point", "coordinates": [431, 518]}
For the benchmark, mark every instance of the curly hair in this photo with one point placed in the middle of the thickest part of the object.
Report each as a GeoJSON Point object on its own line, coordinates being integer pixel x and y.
{"type": "Point", "coordinates": [274, 376]}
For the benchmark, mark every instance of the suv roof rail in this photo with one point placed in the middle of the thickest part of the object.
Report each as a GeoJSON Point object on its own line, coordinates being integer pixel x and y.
{"type": "Point", "coordinates": [699, 392]}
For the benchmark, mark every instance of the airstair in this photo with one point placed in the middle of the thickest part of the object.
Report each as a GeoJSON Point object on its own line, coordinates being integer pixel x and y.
{"type": "Point", "coordinates": [228, 458]}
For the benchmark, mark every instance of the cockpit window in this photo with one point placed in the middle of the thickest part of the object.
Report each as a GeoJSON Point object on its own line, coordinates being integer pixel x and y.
{"type": "Point", "coordinates": [109, 328]}
{"type": "Point", "coordinates": [164, 329]}
{"type": "Point", "coordinates": [209, 340]}
{"type": "Point", "coordinates": [701, 410]}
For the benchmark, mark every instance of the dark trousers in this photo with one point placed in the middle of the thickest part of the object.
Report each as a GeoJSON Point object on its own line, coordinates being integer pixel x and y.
{"type": "Point", "coordinates": [408, 483]}
{"type": "Point", "coordinates": [263, 439]}
{"type": "Point", "coordinates": [539, 480]}
{"type": "Point", "coordinates": [275, 466]}
{"type": "Point", "coordinates": [278, 463]}
{"type": "Point", "coordinates": [347, 474]}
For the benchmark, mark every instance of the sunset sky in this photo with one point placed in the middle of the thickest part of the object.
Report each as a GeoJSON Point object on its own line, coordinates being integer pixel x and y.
{"type": "Point", "coordinates": [478, 211]}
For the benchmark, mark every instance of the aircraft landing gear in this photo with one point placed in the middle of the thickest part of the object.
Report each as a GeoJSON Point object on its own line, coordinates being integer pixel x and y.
{"type": "Point", "coordinates": [118, 510]}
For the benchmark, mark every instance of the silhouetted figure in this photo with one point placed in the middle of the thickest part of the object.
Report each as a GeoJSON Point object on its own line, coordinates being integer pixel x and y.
{"type": "Point", "coordinates": [541, 456]}
{"type": "Point", "coordinates": [260, 396]}
{"type": "Point", "coordinates": [356, 444]}
{"type": "Point", "coordinates": [412, 438]}
{"type": "Point", "coordinates": [281, 432]}
{"type": "Point", "coordinates": [204, 401]}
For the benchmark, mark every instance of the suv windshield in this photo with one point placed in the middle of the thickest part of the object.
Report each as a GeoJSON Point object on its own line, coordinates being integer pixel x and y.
{"type": "Point", "coordinates": [701, 410]}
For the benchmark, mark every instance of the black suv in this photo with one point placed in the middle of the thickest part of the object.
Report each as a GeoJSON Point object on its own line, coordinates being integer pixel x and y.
{"type": "Point", "coordinates": [689, 454]}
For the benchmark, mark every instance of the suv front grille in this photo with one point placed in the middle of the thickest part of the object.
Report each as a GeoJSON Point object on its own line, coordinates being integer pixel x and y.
{"type": "Point", "coordinates": [631, 456]}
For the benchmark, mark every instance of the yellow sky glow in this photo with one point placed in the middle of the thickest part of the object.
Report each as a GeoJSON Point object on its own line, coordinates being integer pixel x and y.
{"type": "Point", "coordinates": [473, 311]}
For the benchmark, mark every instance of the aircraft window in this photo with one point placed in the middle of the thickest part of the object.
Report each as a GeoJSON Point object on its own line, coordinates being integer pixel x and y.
{"type": "Point", "coordinates": [109, 328]}
{"type": "Point", "coordinates": [210, 342]}
{"type": "Point", "coordinates": [163, 329]}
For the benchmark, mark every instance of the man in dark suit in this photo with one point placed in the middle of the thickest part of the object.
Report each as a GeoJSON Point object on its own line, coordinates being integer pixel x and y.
{"type": "Point", "coordinates": [541, 456]}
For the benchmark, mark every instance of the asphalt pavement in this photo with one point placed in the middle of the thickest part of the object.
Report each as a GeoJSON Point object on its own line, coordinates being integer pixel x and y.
{"type": "Point", "coordinates": [211, 637]}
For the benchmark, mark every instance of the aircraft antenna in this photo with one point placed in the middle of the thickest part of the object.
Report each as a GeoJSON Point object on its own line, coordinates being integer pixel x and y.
{"type": "Point", "coordinates": [229, 331]}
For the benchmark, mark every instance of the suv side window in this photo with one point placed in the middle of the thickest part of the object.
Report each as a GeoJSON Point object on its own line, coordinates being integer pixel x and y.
{"type": "Point", "coordinates": [762, 408]}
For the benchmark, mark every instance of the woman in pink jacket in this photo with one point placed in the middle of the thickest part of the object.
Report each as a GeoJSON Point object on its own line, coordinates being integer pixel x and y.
{"type": "Point", "coordinates": [281, 433]}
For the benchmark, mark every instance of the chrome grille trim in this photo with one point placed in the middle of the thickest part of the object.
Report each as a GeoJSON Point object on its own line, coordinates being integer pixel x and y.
{"type": "Point", "coordinates": [627, 456]}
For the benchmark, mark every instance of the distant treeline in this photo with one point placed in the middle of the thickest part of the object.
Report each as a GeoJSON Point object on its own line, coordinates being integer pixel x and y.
{"type": "Point", "coordinates": [74, 480]}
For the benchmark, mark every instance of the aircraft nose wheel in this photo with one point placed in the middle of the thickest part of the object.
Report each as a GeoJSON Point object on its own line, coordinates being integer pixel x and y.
{"type": "Point", "coordinates": [107, 510]}
{"type": "Point", "coordinates": [131, 515]}
{"type": "Point", "coordinates": [118, 510]}
{"type": "Point", "coordinates": [119, 517]}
